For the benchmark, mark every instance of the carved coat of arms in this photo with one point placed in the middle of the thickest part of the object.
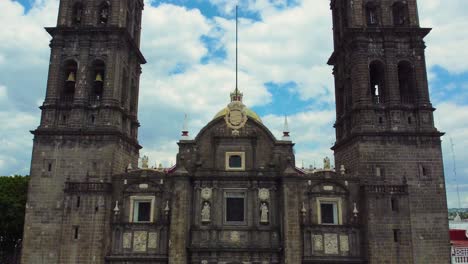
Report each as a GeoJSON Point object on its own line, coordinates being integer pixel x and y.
{"type": "Point", "coordinates": [236, 116]}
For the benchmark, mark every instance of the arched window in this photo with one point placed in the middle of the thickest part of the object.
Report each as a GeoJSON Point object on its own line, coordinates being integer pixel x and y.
{"type": "Point", "coordinates": [98, 77]}
{"type": "Point", "coordinates": [104, 12]}
{"type": "Point", "coordinates": [377, 81]}
{"type": "Point", "coordinates": [68, 91]}
{"type": "Point", "coordinates": [400, 14]}
{"type": "Point", "coordinates": [372, 14]}
{"type": "Point", "coordinates": [406, 82]}
{"type": "Point", "coordinates": [77, 15]}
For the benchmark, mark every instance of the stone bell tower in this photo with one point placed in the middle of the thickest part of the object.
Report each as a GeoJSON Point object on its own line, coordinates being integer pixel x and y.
{"type": "Point", "coordinates": [88, 130]}
{"type": "Point", "coordinates": [385, 132]}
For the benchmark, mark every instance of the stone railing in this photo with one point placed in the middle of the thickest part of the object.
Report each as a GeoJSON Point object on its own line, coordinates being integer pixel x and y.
{"type": "Point", "coordinates": [235, 237]}
{"type": "Point", "coordinates": [74, 187]}
{"type": "Point", "coordinates": [391, 189]}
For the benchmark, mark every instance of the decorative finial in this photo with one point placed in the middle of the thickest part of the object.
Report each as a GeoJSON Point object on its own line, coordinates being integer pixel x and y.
{"type": "Point", "coordinates": [355, 210]}
{"type": "Point", "coordinates": [116, 208]}
{"type": "Point", "coordinates": [342, 169]}
{"type": "Point", "coordinates": [286, 136]}
{"type": "Point", "coordinates": [185, 132]}
{"type": "Point", "coordinates": [167, 209]}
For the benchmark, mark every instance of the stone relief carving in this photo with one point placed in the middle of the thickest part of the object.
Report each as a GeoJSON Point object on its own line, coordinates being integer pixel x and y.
{"type": "Point", "coordinates": [318, 242]}
{"type": "Point", "coordinates": [263, 194]}
{"type": "Point", "coordinates": [264, 213]}
{"type": "Point", "coordinates": [235, 236]}
{"type": "Point", "coordinates": [139, 241]}
{"type": "Point", "coordinates": [344, 243]}
{"type": "Point", "coordinates": [127, 240]}
{"type": "Point", "coordinates": [206, 193]}
{"type": "Point", "coordinates": [152, 240]}
{"type": "Point", "coordinates": [331, 243]}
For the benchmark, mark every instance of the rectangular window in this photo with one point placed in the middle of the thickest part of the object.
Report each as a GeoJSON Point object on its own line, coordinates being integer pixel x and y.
{"type": "Point", "coordinates": [394, 202]}
{"type": "Point", "coordinates": [396, 235]}
{"type": "Point", "coordinates": [141, 209]}
{"type": "Point", "coordinates": [235, 207]}
{"type": "Point", "coordinates": [76, 232]}
{"type": "Point", "coordinates": [235, 161]}
{"type": "Point", "coordinates": [329, 213]}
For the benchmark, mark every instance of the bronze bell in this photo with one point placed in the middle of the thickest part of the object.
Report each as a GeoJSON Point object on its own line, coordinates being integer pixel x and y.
{"type": "Point", "coordinates": [71, 77]}
{"type": "Point", "coordinates": [98, 77]}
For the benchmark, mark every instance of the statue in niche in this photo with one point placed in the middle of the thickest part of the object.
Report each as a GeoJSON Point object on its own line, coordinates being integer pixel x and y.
{"type": "Point", "coordinates": [206, 212]}
{"type": "Point", "coordinates": [264, 213]}
{"type": "Point", "coordinates": [326, 163]}
{"type": "Point", "coordinates": [104, 14]}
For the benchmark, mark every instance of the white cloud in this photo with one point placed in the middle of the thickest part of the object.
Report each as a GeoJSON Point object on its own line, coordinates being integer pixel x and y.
{"type": "Point", "coordinates": [3, 93]}
{"type": "Point", "coordinates": [449, 38]}
{"type": "Point", "coordinates": [24, 42]}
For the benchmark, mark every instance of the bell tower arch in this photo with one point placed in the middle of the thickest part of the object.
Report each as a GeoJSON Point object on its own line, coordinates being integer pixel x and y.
{"type": "Point", "coordinates": [88, 130]}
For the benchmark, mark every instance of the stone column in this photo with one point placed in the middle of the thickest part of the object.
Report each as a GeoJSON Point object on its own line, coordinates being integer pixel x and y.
{"type": "Point", "coordinates": [180, 221]}
{"type": "Point", "coordinates": [291, 220]}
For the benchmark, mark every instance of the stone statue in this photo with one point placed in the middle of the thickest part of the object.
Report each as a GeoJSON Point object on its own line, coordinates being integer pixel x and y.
{"type": "Point", "coordinates": [205, 212]}
{"type": "Point", "coordinates": [264, 213]}
{"type": "Point", "coordinates": [144, 162]}
{"type": "Point", "coordinates": [103, 15]}
{"type": "Point", "coordinates": [326, 163]}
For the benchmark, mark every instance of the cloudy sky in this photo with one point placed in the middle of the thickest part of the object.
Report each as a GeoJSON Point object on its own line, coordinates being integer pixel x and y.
{"type": "Point", "coordinates": [189, 45]}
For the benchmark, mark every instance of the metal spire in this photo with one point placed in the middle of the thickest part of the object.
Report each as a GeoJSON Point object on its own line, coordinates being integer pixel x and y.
{"type": "Point", "coordinates": [237, 55]}
{"type": "Point", "coordinates": [185, 132]}
{"type": "Point", "coordinates": [236, 96]}
{"type": "Point", "coordinates": [286, 130]}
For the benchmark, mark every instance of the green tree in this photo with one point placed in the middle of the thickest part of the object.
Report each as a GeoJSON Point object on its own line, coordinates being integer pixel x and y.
{"type": "Point", "coordinates": [13, 191]}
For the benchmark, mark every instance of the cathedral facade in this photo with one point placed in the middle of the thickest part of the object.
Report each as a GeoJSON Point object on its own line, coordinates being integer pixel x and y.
{"type": "Point", "coordinates": [235, 194]}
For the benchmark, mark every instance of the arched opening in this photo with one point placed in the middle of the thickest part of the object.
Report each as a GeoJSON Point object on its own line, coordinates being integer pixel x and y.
{"type": "Point", "coordinates": [98, 77]}
{"type": "Point", "coordinates": [406, 82]}
{"type": "Point", "coordinates": [372, 14]}
{"type": "Point", "coordinates": [77, 15]}
{"type": "Point", "coordinates": [377, 81]}
{"type": "Point", "coordinates": [400, 14]}
{"type": "Point", "coordinates": [68, 91]}
{"type": "Point", "coordinates": [104, 11]}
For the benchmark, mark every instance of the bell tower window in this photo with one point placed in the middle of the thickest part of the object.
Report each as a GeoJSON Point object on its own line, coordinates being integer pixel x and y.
{"type": "Point", "coordinates": [68, 92]}
{"type": "Point", "coordinates": [400, 14]}
{"type": "Point", "coordinates": [103, 14]}
{"type": "Point", "coordinates": [77, 15]}
{"type": "Point", "coordinates": [98, 75]}
{"type": "Point", "coordinates": [377, 81]}
{"type": "Point", "coordinates": [372, 14]}
{"type": "Point", "coordinates": [406, 82]}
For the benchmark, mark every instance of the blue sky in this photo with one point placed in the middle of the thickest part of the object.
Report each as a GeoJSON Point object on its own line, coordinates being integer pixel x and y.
{"type": "Point", "coordinates": [189, 45]}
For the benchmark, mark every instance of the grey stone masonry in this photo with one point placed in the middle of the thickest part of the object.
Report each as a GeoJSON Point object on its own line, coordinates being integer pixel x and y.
{"type": "Point", "coordinates": [385, 132]}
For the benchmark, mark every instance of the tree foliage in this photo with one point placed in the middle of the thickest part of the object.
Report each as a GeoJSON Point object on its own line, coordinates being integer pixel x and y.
{"type": "Point", "coordinates": [13, 193]}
